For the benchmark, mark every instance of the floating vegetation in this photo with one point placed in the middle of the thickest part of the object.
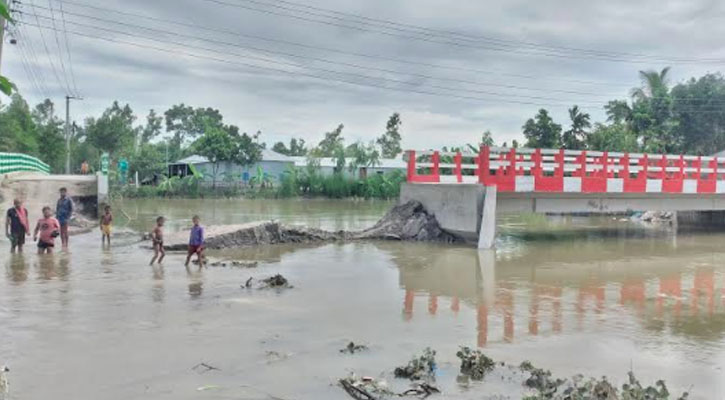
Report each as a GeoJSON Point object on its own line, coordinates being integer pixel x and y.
{"type": "Point", "coordinates": [474, 364]}
{"type": "Point", "coordinates": [419, 368]}
{"type": "Point", "coordinates": [353, 348]}
{"type": "Point", "coordinates": [579, 388]}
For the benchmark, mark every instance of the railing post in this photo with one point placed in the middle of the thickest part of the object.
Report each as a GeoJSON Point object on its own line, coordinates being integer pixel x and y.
{"type": "Point", "coordinates": [411, 165]}
{"type": "Point", "coordinates": [436, 166]}
{"type": "Point", "coordinates": [458, 169]}
{"type": "Point", "coordinates": [560, 156]}
{"type": "Point", "coordinates": [484, 166]}
{"type": "Point", "coordinates": [605, 165]}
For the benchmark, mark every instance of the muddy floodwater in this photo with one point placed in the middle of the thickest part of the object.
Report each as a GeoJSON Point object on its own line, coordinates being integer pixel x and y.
{"type": "Point", "coordinates": [598, 296]}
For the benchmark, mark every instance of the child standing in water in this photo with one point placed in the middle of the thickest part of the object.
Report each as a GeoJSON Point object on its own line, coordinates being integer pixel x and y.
{"type": "Point", "coordinates": [157, 237]}
{"type": "Point", "coordinates": [106, 220]}
{"type": "Point", "coordinates": [196, 242]}
{"type": "Point", "coordinates": [49, 229]}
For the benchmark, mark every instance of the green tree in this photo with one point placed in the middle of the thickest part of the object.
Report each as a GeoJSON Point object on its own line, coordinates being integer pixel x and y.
{"type": "Point", "coordinates": [389, 142]}
{"type": "Point", "coordinates": [615, 137]}
{"type": "Point", "coordinates": [332, 144]}
{"type": "Point", "coordinates": [296, 147]}
{"type": "Point", "coordinates": [541, 131]}
{"type": "Point", "coordinates": [152, 129]}
{"type": "Point", "coordinates": [49, 128]}
{"type": "Point", "coordinates": [148, 160]}
{"type": "Point", "coordinates": [17, 128]}
{"type": "Point", "coordinates": [700, 115]}
{"type": "Point", "coordinates": [618, 111]}
{"type": "Point", "coordinates": [575, 137]}
{"type": "Point", "coordinates": [218, 146]}
{"type": "Point", "coordinates": [487, 139]}
{"type": "Point", "coordinates": [362, 157]}
{"type": "Point", "coordinates": [6, 86]}
{"type": "Point", "coordinates": [247, 149]}
{"type": "Point", "coordinates": [187, 123]}
{"type": "Point", "coordinates": [113, 131]}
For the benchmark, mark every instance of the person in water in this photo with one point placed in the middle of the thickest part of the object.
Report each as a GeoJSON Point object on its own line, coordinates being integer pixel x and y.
{"type": "Point", "coordinates": [157, 238]}
{"type": "Point", "coordinates": [64, 212]}
{"type": "Point", "coordinates": [16, 226]}
{"type": "Point", "coordinates": [106, 222]}
{"type": "Point", "coordinates": [196, 242]}
{"type": "Point", "coordinates": [49, 229]}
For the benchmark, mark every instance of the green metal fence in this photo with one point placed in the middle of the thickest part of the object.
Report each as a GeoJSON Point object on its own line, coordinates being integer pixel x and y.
{"type": "Point", "coordinates": [15, 162]}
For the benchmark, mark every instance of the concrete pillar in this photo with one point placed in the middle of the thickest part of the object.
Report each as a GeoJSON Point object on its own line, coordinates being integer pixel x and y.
{"type": "Point", "coordinates": [103, 190]}
{"type": "Point", "coordinates": [487, 234]}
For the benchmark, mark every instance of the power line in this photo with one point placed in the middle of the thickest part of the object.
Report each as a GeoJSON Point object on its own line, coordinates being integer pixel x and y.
{"type": "Point", "coordinates": [465, 36]}
{"type": "Point", "coordinates": [309, 75]}
{"type": "Point", "coordinates": [294, 13]}
{"type": "Point", "coordinates": [45, 45]}
{"type": "Point", "coordinates": [26, 67]}
{"type": "Point", "coordinates": [67, 49]}
{"type": "Point", "coordinates": [296, 73]}
{"type": "Point", "coordinates": [25, 42]}
{"type": "Point", "coordinates": [57, 46]}
{"type": "Point", "coordinates": [366, 68]}
{"type": "Point", "coordinates": [289, 64]}
{"type": "Point", "coordinates": [327, 61]}
{"type": "Point", "coordinates": [338, 51]}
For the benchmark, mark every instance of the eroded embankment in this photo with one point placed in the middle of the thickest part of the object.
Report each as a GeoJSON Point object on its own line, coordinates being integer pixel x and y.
{"type": "Point", "coordinates": [408, 222]}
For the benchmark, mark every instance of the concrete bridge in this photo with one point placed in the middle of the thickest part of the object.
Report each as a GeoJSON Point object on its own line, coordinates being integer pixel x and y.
{"type": "Point", "coordinates": [28, 178]}
{"type": "Point", "coordinates": [466, 190]}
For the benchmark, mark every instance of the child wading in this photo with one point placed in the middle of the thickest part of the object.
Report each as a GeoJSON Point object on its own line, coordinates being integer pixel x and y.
{"type": "Point", "coordinates": [157, 237]}
{"type": "Point", "coordinates": [106, 222]}
{"type": "Point", "coordinates": [196, 242]}
{"type": "Point", "coordinates": [49, 229]}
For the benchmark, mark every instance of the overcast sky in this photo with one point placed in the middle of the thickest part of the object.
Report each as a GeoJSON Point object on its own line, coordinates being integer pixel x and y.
{"type": "Point", "coordinates": [452, 69]}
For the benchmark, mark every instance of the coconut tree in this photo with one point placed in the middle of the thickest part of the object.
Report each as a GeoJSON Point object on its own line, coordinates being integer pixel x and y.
{"type": "Point", "coordinates": [575, 137]}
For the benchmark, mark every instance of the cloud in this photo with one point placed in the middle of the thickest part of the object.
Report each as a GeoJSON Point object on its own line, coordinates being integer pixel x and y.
{"type": "Point", "coordinates": [502, 61]}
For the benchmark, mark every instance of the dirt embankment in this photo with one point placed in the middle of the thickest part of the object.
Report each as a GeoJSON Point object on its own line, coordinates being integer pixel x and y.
{"type": "Point", "coordinates": [409, 222]}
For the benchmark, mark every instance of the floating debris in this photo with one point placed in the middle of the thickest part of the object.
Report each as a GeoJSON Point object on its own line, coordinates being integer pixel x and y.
{"type": "Point", "coordinates": [422, 390]}
{"type": "Point", "coordinates": [275, 356]}
{"type": "Point", "coordinates": [274, 282]}
{"type": "Point", "coordinates": [365, 388]}
{"type": "Point", "coordinates": [204, 367]}
{"type": "Point", "coordinates": [353, 348]}
{"type": "Point", "coordinates": [474, 364]}
{"type": "Point", "coordinates": [578, 387]}
{"type": "Point", "coordinates": [419, 368]}
{"type": "Point", "coordinates": [234, 263]}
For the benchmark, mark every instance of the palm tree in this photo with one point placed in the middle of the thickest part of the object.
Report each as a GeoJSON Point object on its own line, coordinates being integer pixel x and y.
{"type": "Point", "coordinates": [575, 137]}
{"type": "Point", "coordinates": [654, 84]}
{"type": "Point", "coordinates": [618, 111]}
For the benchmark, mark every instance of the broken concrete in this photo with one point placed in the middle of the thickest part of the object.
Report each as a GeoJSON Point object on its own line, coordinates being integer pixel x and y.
{"type": "Point", "coordinates": [409, 221]}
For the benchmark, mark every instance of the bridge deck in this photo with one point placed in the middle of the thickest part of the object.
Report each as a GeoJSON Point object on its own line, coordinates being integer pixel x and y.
{"type": "Point", "coordinates": [570, 171]}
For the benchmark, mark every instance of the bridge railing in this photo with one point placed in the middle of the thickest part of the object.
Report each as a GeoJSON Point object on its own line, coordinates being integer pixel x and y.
{"type": "Point", "coordinates": [561, 170]}
{"type": "Point", "coordinates": [16, 162]}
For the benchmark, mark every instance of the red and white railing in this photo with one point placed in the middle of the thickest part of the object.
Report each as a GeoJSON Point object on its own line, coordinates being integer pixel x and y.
{"type": "Point", "coordinates": [549, 170]}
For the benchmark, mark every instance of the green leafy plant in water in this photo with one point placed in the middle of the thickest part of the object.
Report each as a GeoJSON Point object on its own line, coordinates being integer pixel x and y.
{"type": "Point", "coordinates": [474, 364]}
{"type": "Point", "coordinates": [421, 367]}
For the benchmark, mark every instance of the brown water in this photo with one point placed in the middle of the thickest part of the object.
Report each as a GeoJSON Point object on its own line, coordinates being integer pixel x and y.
{"type": "Point", "coordinates": [594, 296]}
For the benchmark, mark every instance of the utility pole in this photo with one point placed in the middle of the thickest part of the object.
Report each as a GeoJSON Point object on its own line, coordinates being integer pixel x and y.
{"type": "Point", "coordinates": [2, 34]}
{"type": "Point", "coordinates": [67, 132]}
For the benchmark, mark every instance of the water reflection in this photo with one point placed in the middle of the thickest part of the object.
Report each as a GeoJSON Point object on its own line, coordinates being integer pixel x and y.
{"type": "Point", "coordinates": [538, 292]}
{"type": "Point", "coordinates": [17, 268]}
{"type": "Point", "coordinates": [158, 291]}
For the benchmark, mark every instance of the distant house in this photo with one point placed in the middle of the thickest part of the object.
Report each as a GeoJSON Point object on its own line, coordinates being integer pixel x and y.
{"type": "Point", "coordinates": [273, 165]}
{"type": "Point", "coordinates": [328, 165]}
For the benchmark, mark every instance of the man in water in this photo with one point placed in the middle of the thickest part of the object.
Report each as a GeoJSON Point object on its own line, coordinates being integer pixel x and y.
{"type": "Point", "coordinates": [63, 212]}
{"type": "Point", "coordinates": [16, 226]}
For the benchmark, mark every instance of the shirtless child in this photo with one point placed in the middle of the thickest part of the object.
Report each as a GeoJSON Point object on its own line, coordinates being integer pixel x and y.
{"type": "Point", "coordinates": [157, 237]}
